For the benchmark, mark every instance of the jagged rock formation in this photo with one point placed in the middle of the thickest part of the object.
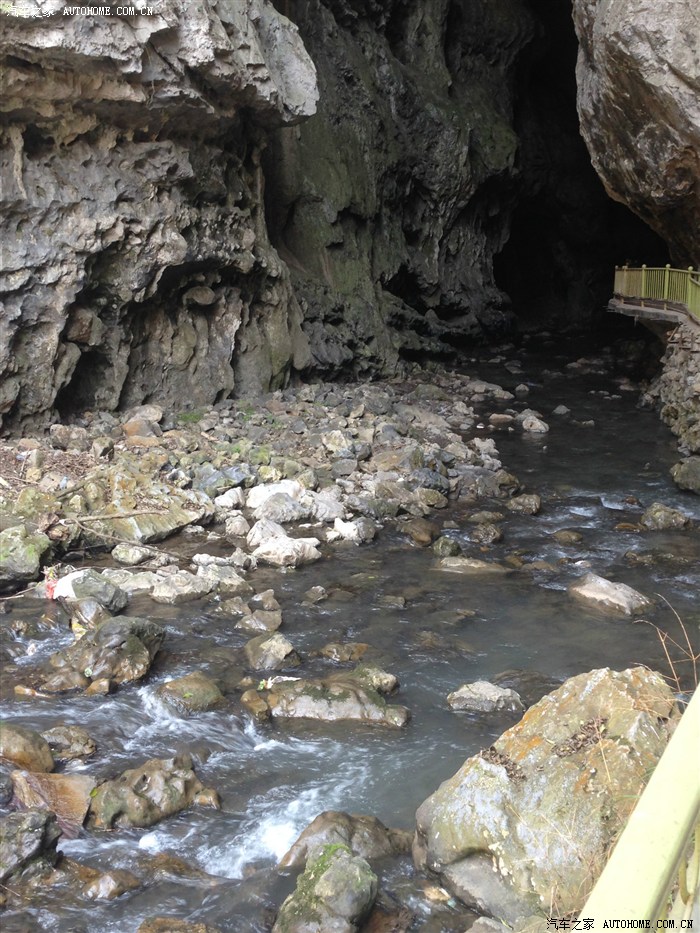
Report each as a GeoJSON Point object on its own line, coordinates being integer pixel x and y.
{"type": "Point", "coordinates": [135, 257]}
{"type": "Point", "coordinates": [639, 103]}
{"type": "Point", "coordinates": [390, 205]}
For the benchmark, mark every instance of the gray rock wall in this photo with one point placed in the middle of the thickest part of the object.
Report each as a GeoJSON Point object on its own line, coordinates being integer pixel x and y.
{"type": "Point", "coordinates": [135, 257]}
{"type": "Point", "coordinates": [389, 206]}
{"type": "Point", "coordinates": [639, 104]}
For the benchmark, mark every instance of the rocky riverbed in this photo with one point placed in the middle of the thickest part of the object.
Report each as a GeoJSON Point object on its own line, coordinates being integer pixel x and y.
{"type": "Point", "coordinates": [220, 624]}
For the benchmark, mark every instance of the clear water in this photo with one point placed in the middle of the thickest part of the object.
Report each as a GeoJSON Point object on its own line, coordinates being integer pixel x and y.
{"type": "Point", "coordinates": [274, 779]}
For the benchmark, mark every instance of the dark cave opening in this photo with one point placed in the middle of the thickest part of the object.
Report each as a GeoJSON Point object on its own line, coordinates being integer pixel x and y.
{"type": "Point", "coordinates": [566, 233]}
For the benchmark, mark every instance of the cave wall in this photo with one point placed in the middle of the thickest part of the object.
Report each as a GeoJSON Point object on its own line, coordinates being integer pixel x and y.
{"type": "Point", "coordinates": [135, 258]}
{"type": "Point", "coordinates": [390, 204]}
{"type": "Point", "coordinates": [638, 76]}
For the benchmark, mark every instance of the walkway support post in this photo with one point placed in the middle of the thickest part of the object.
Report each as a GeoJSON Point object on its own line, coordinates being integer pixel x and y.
{"type": "Point", "coordinates": [667, 275]}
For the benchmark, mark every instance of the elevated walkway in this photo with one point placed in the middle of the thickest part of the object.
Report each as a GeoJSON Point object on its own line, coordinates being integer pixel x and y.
{"type": "Point", "coordinates": [657, 294]}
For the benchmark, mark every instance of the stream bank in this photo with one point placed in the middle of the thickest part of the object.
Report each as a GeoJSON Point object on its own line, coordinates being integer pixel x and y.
{"type": "Point", "coordinates": [596, 470]}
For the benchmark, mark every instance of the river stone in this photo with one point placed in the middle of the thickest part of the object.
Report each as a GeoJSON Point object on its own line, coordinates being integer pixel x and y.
{"type": "Point", "coordinates": [131, 555]}
{"type": "Point", "coordinates": [27, 843]}
{"type": "Point", "coordinates": [686, 474]}
{"type": "Point", "coordinates": [484, 697]}
{"type": "Point", "coordinates": [445, 546]}
{"type": "Point", "coordinates": [571, 769]}
{"type": "Point", "coordinates": [25, 748]}
{"type": "Point", "coordinates": [335, 893]}
{"type": "Point", "coordinates": [271, 653]}
{"type": "Point", "coordinates": [342, 653]}
{"type": "Point", "coordinates": [21, 552]}
{"type": "Point", "coordinates": [171, 925]}
{"type": "Point", "coordinates": [534, 425]}
{"type": "Point", "coordinates": [181, 587]}
{"type": "Point", "coordinates": [143, 796]}
{"type": "Point", "coordinates": [421, 531]}
{"type": "Point", "coordinates": [193, 693]}
{"type": "Point", "coordinates": [659, 517]}
{"type": "Point", "coordinates": [609, 596]}
{"type": "Point", "coordinates": [66, 795]}
{"type": "Point", "coordinates": [88, 584]}
{"type": "Point", "coordinates": [486, 534]}
{"type": "Point", "coordinates": [69, 437]}
{"type": "Point", "coordinates": [225, 580]}
{"type": "Point", "coordinates": [86, 614]}
{"type": "Point", "coordinates": [334, 698]}
{"type": "Point", "coordinates": [260, 621]}
{"type": "Point", "coordinates": [236, 526]}
{"type": "Point", "coordinates": [110, 884]}
{"type": "Point", "coordinates": [69, 742]}
{"type": "Point", "coordinates": [470, 565]}
{"type": "Point", "coordinates": [143, 582]}
{"type": "Point", "coordinates": [282, 551]}
{"type": "Point", "coordinates": [263, 492]}
{"type": "Point", "coordinates": [359, 531]}
{"type": "Point", "coordinates": [527, 504]}
{"type": "Point", "coordinates": [282, 508]}
{"type": "Point", "coordinates": [256, 705]}
{"type": "Point", "coordinates": [263, 530]}
{"type": "Point", "coordinates": [119, 651]}
{"type": "Point", "coordinates": [478, 884]}
{"type": "Point", "coordinates": [365, 836]}
{"type": "Point", "coordinates": [567, 536]}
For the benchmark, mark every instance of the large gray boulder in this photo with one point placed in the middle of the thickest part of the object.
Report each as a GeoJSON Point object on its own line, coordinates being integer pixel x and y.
{"type": "Point", "coordinates": [142, 796]}
{"type": "Point", "coordinates": [21, 552]}
{"type": "Point", "coordinates": [335, 893]}
{"type": "Point", "coordinates": [118, 651]}
{"type": "Point", "coordinates": [27, 843]}
{"type": "Point", "coordinates": [638, 74]}
{"type": "Point", "coordinates": [547, 800]}
{"type": "Point", "coordinates": [365, 836]}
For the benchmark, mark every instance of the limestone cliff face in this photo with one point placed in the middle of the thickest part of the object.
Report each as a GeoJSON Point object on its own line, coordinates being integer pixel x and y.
{"type": "Point", "coordinates": [135, 257]}
{"type": "Point", "coordinates": [390, 204]}
{"type": "Point", "coordinates": [639, 103]}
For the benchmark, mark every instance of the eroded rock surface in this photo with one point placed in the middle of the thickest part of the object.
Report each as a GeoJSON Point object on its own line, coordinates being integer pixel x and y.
{"type": "Point", "coordinates": [571, 769]}
{"type": "Point", "coordinates": [124, 153]}
{"type": "Point", "coordinates": [638, 78]}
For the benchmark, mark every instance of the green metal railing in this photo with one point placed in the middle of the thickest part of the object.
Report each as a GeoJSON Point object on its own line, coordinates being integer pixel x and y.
{"type": "Point", "coordinates": [671, 287]}
{"type": "Point", "coordinates": [653, 873]}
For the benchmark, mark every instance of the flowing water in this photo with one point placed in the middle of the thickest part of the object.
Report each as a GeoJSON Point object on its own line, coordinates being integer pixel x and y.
{"type": "Point", "coordinates": [274, 779]}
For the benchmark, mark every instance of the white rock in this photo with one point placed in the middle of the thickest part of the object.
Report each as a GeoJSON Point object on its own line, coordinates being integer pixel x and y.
{"type": "Point", "coordinates": [231, 499]}
{"type": "Point", "coordinates": [259, 494]}
{"type": "Point", "coordinates": [282, 551]}
{"type": "Point", "coordinates": [484, 697]}
{"type": "Point", "coordinates": [605, 594]}
{"type": "Point", "coordinates": [181, 587]}
{"type": "Point", "coordinates": [262, 530]}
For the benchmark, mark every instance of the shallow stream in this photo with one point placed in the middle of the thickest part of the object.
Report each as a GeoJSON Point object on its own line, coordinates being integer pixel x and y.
{"type": "Point", "coordinates": [274, 779]}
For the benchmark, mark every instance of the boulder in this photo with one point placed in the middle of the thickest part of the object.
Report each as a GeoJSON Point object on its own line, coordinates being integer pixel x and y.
{"type": "Point", "coordinates": [66, 795]}
{"type": "Point", "coordinates": [335, 892]}
{"type": "Point", "coordinates": [260, 494]}
{"type": "Point", "coordinates": [282, 551]}
{"type": "Point", "coordinates": [686, 474]}
{"type": "Point", "coordinates": [69, 742]}
{"type": "Point", "coordinates": [25, 748]}
{"type": "Point", "coordinates": [260, 621]}
{"type": "Point", "coordinates": [88, 584]}
{"type": "Point", "coordinates": [359, 531]}
{"type": "Point", "coordinates": [340, 697]}
{"type": "Point", "coordinates": [225, 580]}
{"type": "Point", "coordinates": [547, 800]}
{"type": "Point", "coordinates": [143, 796]}
{"type": "Point", "coordinates": [609, 596]}
{"type": "Point", "coordinates": [193, 693]}
{"type": "Point", "coordinates": [262, 530]}
{"type": "Point", "coordinates": [118, 651]}
{"type": "Point", "coordinates": [660, 517]}
{"type": "Point", "coordinates": [181, 587]}
{"type": "Point", "coordinates": [527, 504]}
{"type": "Point", "coordinates": [131, 555]}
{"type": "Point", "coordinates": [484, 697]}
{"type": "Point", "coordinates": [365, 836]}
{"type": "Point", "coordinates": [108, 885]}
{"type": "Point", "coordinates": [171, 925]}
{"type": "Point", "coordinates": [21, 552]}
{"type": "Point", "coordinates": [27, 843]}
{"type": "Point", "coordinates": [282, 508]}
{"type": "Point", "coordinates": [470, 565]}
{"type": "Point", "coordinates": [271, 653]}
